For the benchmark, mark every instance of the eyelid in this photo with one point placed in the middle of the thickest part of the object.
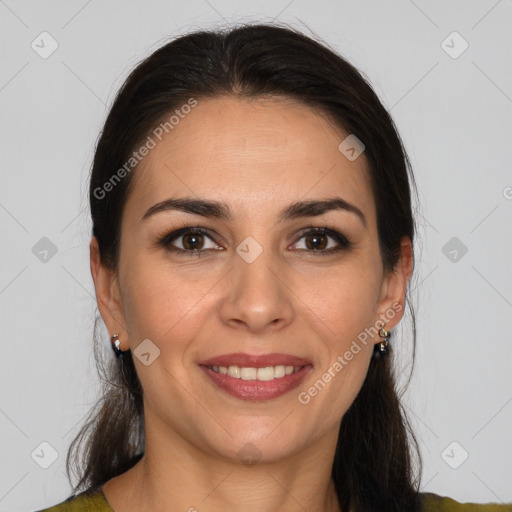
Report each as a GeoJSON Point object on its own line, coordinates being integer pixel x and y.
{"type": "Point", "coordinates": [167, 237]}
{"type": "Point", "coordinates": [342, 241]}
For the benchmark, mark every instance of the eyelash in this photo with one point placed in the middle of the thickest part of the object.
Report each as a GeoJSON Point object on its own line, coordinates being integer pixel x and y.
{"type": "Point", "coordinates": [166, 239]}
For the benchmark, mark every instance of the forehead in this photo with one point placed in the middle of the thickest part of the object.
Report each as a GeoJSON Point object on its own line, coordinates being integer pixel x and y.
{"type": "Point", "coordinates": [251, 151]}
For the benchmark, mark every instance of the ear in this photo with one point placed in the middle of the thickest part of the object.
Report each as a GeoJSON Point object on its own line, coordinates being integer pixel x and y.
{"type": "Point", "coordinates": [108, 294]}
{"type": "Point", "coordinates": [392, 301]}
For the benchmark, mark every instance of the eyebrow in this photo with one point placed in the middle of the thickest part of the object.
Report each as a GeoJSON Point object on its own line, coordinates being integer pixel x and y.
{"type": "Point", "coordinates": [218, 210]}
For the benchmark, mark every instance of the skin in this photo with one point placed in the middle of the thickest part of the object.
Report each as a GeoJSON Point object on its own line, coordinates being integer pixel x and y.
{"type": "Point", "coordinates": [246, 153]}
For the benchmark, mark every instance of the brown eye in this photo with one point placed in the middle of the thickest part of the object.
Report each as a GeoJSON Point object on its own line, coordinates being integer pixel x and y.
{"type": "Point", "coordinates": [190, 241]}
{"type": "Point", "coordinates": [320, 241]}
{"type": "Point", "coordinates": [193, 241]}
{"type": "Point", "coordinates": [316, 241]}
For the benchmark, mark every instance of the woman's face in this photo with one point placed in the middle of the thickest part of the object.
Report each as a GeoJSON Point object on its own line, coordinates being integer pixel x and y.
{"type": "Point", "coordinates": [252, 289]}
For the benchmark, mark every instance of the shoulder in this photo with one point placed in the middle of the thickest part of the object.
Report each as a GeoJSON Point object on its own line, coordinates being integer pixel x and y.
{"type": "Point", "coordinates": [434, 503]}
{"type": "Point", "coordinates": [91, 500]}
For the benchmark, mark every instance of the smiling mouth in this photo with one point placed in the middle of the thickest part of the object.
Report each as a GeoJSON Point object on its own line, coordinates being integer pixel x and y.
{"type": "Point", "coordinates": [256, 384]}
{"type": "Point", "coordinates": [256, 376]}
{"type": "Point", "coordinates": [263, 374]}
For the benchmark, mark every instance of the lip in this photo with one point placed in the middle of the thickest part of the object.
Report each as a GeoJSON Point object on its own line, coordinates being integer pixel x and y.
{"type": "Point", "coordinates": [257, 390]}
{"type": "Point", "coordinates": [255, 361]}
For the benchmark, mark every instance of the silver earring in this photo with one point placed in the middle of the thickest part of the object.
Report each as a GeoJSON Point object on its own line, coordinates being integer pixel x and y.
{"type": "Point", "coordinates": [116, 345]}
{"type": "Point", "coordinates": [382, 348]}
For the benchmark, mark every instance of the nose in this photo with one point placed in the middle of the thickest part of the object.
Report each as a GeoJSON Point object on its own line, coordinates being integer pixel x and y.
{"type": "Point", "coordinates": [257, 296]}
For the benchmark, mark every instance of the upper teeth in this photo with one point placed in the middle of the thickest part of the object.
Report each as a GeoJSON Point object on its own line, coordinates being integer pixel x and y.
{"type": "Point", "coordinates": [266, 373]}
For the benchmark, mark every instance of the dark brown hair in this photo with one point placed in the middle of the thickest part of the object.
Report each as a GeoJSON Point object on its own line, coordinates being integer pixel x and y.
{"type": "Point", "coordinates": [373, 467]}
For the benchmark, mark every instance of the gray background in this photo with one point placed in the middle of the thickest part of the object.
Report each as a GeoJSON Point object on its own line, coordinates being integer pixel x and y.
{"type": "Point", "coordinates": [452, 110]}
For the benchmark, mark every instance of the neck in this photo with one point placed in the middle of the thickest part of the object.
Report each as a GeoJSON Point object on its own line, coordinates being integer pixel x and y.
{"type": "Point", "coordinates": [176, 475]}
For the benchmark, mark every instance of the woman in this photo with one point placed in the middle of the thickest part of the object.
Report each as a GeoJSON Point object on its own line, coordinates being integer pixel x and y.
{"type": "Point", "coordinates": [252, 248]}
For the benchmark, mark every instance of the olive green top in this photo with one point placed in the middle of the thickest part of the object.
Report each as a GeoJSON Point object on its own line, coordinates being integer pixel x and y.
{"type": "Point", "coordinates": [95, 501]}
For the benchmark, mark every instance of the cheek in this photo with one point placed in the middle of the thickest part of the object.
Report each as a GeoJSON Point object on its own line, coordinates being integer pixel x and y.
{"type": "Point", "coordinates": [345, 313]}
{"type": "Point", "coordinates": [348, 349]}
{"type": "Point", "coordinates": [345, 300]}
{"type": "Point", "coordinates": [160, 303]}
